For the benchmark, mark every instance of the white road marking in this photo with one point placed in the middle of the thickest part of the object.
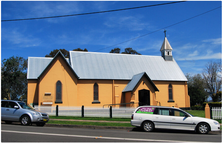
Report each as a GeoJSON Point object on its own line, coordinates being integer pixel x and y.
{"type": "Point", "coordinates": [93, 137]}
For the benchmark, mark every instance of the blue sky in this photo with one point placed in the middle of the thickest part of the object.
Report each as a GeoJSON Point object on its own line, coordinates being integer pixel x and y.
{"type": "Point", "coordinates": [195, 42]}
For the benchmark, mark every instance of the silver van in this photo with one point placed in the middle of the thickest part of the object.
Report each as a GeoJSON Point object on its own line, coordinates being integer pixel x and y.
{"type": "Point", "coordinates": [18, 111]}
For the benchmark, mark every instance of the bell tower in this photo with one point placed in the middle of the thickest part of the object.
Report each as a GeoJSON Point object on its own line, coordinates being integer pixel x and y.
{"type": "Point", "coordinates": [166, 49]}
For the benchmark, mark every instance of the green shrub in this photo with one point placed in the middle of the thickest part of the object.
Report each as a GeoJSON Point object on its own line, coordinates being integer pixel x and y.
{"type": "Point", "coordinates": [197, 107]}
{"type": "Point", "coordinates": [212, 104]}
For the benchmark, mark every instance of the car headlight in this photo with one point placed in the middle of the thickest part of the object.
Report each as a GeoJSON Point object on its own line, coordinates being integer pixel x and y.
{"type": "Point", "coordinates": [35, 113]}
{"type": "Point", "coordinates": [216, 123]}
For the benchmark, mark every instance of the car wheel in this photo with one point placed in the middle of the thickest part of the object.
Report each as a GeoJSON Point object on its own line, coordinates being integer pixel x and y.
{"type": "Point", "coordinates": [203, 128]}
{"type": "Point", "coordinates": [148, 126]}
{"type": "Point", "coordinates": [40, 124]}
{"type": "Point", "coordinates": [25, 120]}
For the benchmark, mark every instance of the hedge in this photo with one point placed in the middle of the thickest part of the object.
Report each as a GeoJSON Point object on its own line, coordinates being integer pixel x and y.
{"type": "Point", "coordinates": [212, 104]}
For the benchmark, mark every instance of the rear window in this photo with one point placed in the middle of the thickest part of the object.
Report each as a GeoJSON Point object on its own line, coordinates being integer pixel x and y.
{"type": "Point", "coordinates": [163, 111]}
{"type": "Point", "coordinates": [146, 110]}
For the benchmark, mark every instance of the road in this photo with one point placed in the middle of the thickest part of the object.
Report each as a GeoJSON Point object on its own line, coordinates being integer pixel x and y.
{"type": "Point", "coordinates": [19, 133]}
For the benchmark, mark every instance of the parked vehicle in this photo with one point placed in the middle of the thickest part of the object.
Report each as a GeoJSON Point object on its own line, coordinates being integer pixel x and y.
{"type": "Point", "coordinates": [18, 111]}
{"type": "Point", "coordinates": [154, 117]}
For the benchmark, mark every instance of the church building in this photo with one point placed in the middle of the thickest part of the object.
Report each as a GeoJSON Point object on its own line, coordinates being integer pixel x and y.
{"type": "Point", "coordinates": [102, 79]}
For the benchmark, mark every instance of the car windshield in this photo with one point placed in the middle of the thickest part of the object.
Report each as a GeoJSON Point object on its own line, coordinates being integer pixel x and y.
{"type": "Point", "coordinates": [24, 106]}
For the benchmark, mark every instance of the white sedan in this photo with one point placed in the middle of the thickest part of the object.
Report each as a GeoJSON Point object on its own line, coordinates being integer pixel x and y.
{"type": "Point", "coordinates": [151, 117]}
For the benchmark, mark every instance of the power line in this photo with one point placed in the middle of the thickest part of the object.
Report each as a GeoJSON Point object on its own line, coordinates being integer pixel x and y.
{"type": "Point", "coordinates": [160, 29]}
{"type": "Point", "coordinates": [114, 10]}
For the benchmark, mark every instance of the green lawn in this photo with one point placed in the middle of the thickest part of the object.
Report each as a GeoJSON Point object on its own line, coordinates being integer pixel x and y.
{"type": "Point", "coordinates": [198, 113]}
{"type": "Point", "coordinates": [90, 118]}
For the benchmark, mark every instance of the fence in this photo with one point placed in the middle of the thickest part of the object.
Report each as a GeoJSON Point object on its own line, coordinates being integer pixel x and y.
{"type": "Point", "coordinates": [111, 112]}
{"type": "Point", "coordinates": [216, 112]}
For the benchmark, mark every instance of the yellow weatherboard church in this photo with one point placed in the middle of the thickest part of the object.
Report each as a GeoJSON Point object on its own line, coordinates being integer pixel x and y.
{"type": "Point", "coordinates": [103, 79]}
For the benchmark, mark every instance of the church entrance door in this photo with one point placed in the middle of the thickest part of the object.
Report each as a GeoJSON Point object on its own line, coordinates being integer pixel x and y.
{"type": "Point", "coordinates": [144, 97]}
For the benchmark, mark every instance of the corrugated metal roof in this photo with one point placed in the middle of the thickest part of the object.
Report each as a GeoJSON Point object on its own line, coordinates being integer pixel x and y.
{"type": "Point", "coordinates": [36, 65]}
{"type": "Point", "coordinates": [136, 78]}
{"type": "Point", "coordinates": [90, 65]}
{"type": "Point", "coordinates": [130, 86]}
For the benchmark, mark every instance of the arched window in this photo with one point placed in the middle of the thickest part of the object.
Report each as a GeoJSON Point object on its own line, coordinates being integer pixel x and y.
{"type": "Point", "coordinates": [96, 93]}
{"type": "Point", "coordinates": [170, 91]}
{"type": "Point", "coordinates": [96, 97]}
{"type": "Point", "coordinates": [58, 92]}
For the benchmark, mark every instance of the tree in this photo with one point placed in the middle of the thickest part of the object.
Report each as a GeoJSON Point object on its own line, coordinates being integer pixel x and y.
{"type": "Point", "coordinates": [116, 50]}
{"type": "Point", "coordinates": [126, 51]}
{"type": "Point", "coordinates": [54, 52]}
{"type": "Point", "coordinates": [13, 78]}
{"type": "Point", "coordinates": [216, 96]}
{"type": "Point", "coordinates": [212, 78]}
{"type": "Point", "coordinates": [130, 51]}
{"type": "Point", "coordinates": [79, 49]}
{"type": "Point", "coordinates": [196, 89]}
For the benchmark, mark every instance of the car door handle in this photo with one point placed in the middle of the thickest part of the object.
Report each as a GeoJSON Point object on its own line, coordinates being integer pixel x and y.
{"type": "Point", "coordinates": [7, 109]}
{"type": "Point", "coordinates": [173, 118]}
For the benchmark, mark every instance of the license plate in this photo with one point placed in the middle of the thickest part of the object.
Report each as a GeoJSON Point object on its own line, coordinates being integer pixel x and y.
{"type": "Point", "coordinates": [45, 120]}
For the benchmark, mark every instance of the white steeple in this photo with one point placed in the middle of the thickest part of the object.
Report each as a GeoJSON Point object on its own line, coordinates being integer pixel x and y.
{"type": "Point", "coordinates": [166, 49]}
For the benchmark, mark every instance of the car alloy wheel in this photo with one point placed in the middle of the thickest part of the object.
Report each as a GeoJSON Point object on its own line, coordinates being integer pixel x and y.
{"type": "Point", "coordinates": [148, 126]}
{"type": "Point", "coordinates": [203, 128]}
{"type": "Point", "coordinates": [25, 120]}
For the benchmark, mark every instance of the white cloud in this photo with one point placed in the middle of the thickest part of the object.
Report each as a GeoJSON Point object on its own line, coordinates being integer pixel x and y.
{"type": "Point", "coordinates": [195, 53]}
{"type": "Point", "coordinates": [202, 57]}
{"type": "Point", "coordinates": [33, 9]}
{"type": "Point", "coordinates": [216, 41]}
{"type": "Point", "coordinates": [19, 39]}
{"type": "Point", "coordinates": [132, 23]}
{"type": "Point", "coordinates": [204, 50]}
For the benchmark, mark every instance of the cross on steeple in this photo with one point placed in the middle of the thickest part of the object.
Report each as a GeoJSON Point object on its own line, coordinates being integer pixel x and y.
{"type": "Point", "coordinates": [165, 32]}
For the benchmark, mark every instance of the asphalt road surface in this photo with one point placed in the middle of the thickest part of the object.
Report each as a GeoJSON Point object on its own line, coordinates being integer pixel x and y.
{"type": "Point", "coordinates": [19, 133]}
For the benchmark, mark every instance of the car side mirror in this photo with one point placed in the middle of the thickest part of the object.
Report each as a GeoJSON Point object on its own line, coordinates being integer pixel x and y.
{"type": "Point", "coordinates": [16, 107]}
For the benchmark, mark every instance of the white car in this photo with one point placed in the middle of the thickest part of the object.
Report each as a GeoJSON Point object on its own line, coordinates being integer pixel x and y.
{"type": "Point", "coordinates": [153, 117]}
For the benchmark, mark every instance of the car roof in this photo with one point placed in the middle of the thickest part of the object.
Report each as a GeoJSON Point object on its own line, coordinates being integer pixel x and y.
{"type": "Point", "coordinates": [158, 106]}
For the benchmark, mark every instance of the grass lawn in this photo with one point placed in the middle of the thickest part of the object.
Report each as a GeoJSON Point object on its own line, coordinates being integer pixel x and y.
{"type": "Point", "coordinates": [198, 113]}
{"type": "Point", "coordinates": [90, 118]}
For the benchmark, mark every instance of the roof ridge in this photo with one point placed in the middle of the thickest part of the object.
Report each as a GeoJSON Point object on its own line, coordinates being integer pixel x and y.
{"type": "Point", "coordinates": [118, 54]}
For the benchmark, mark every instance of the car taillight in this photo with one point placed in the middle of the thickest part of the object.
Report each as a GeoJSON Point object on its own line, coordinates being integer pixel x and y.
{"type": "Point", "coordinates": [132, 117]}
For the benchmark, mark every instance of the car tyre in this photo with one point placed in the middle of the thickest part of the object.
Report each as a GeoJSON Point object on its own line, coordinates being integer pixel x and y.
{"type": "Point", "coordinates": [148, 126]}
{"type": "Point", "coordinates": [40, 124]}
{"type": "Point", "coordinates": [203, 128]}
{"type": "Point", "coordinates": [25, 120]}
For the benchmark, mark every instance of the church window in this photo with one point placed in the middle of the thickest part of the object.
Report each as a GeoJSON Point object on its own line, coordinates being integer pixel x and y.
{"type": "Point", "coordinates": [58, 92]}
{"type": "Point", "coordinates": [170, 92]}
{"type": "Point", "coordinates": [96, 93]}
